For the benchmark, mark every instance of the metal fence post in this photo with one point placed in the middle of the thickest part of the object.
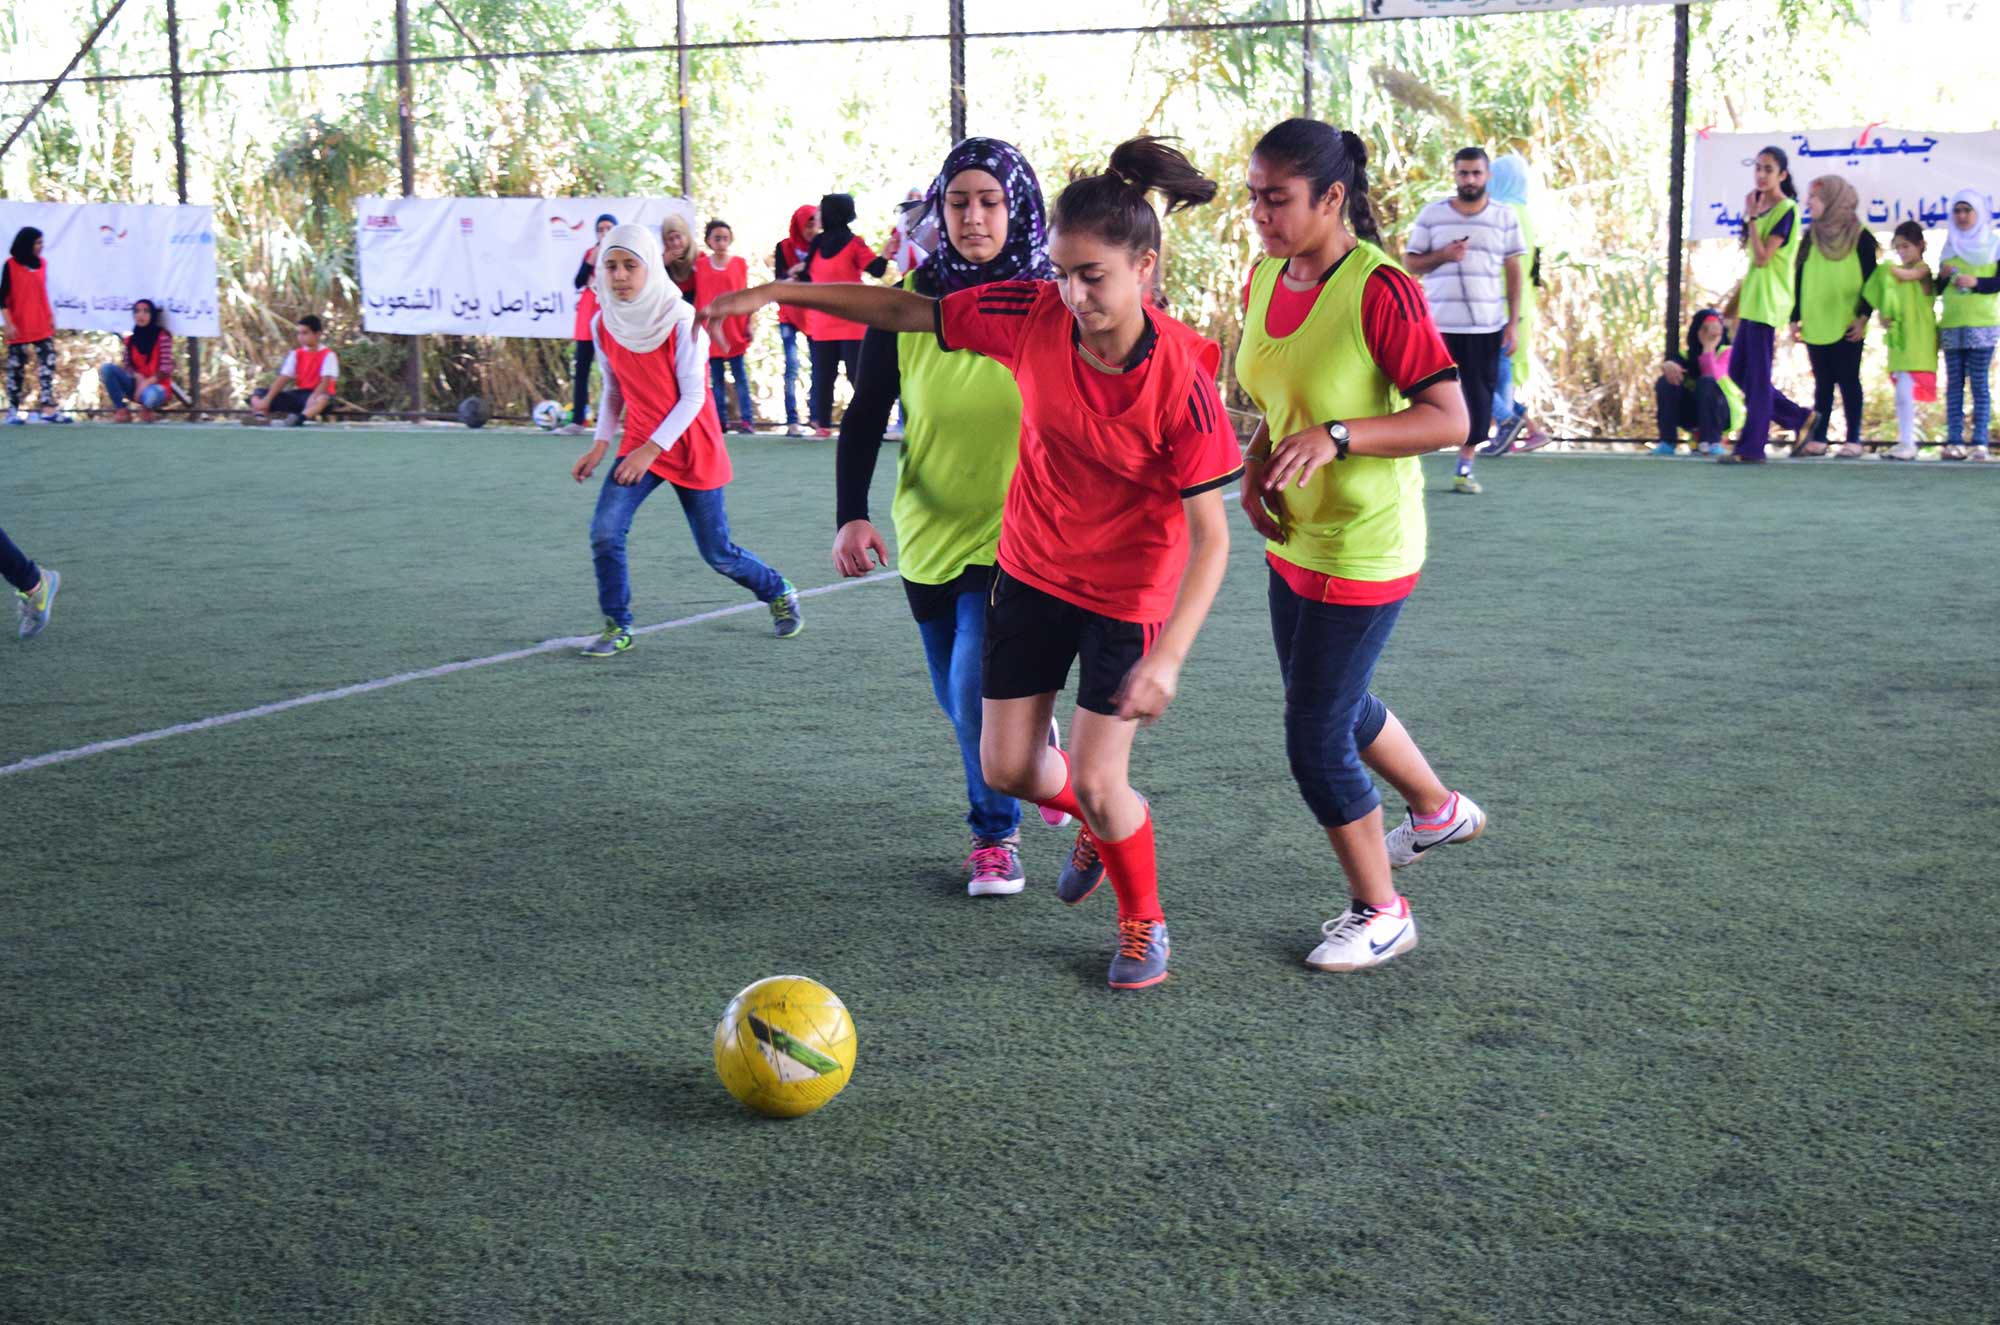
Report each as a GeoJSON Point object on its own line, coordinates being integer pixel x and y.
{"type": "Point", "coordinates": [1678, 184]}
{"type": "Point", "coordinates": [407, 159]}
{"type": "Point", "coordinates": [181, 181]}
{"type": "Point", "coordinates": [957, 21]}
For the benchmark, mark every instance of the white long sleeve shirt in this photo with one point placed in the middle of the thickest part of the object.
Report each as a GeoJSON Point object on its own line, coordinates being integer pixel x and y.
{"type": "Point", "coordinates": [690, 344]}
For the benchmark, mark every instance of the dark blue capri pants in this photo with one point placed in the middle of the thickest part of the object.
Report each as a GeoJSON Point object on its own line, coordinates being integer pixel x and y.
{"type": "Point", "coordinates": [1327, 654]}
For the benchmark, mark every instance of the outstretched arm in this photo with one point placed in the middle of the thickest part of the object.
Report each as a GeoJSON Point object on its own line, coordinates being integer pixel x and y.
{"type": "Point", "coordinates": [881, 306]}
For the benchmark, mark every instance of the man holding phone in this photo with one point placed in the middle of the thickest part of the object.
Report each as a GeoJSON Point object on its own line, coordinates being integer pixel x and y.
{"type": "Point", "coordinates": [1469, 252]}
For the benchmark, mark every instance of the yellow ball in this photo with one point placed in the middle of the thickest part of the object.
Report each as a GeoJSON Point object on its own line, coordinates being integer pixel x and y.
{"type": "Point", "coordinates": [785, 1046]}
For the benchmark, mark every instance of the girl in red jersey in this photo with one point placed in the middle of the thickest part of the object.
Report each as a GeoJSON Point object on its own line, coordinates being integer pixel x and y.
{"type": "Point", "coordinates": [586, 313]}
{"type": "Point", "coordinates": [717, 272]}
{"type": "Point", "coordinates": [1114, 539]}
{"type": "Point", "coordinates": [788, 263]}
{"type": "Point", "coordinates": [656, 395]}
{"type": "Point", "coordinates": [1340, 354]}
{"type": "Point", "coordinates": [28, 321]}
{"type": "Point", "coordinates": [837, 255]}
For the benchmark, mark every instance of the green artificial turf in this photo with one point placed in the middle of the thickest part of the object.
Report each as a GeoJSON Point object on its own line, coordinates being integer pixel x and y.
{"type": "Point", "coordinates": [398, 1008]}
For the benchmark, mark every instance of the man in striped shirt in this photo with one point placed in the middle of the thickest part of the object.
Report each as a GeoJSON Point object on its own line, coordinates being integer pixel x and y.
{"type": "Point", "coordinates": [1469, 251]}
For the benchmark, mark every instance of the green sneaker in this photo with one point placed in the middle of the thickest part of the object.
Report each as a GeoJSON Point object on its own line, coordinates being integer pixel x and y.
{"type": "Point", "coordinates": [785, 619]}
{"type": "Point", "coordinates": [615, 639]}
{"type": "Point", "coordinates": [1466, 483]}
{"type": "Point", "coordinates": [37, 604]}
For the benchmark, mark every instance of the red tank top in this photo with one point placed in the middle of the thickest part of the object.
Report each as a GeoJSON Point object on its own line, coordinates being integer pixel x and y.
{"type": "Point", "coordinates": [733, 336]}
{"type": "Point", "coordinates": [28, 313]}
{"type": "Point", "coordinates": [845, 267]}
{"type": "Point", "coordinates": [789, 253]}
{"type": "Point", "coordinates": [308, 363]}
{"type": "Point", "coordinates": [698, 460]}
{"type": "Point", "coordinates": [586, 301]}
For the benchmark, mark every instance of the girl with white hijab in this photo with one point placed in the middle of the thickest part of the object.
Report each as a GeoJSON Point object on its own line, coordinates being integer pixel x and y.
{"type": "Point", "coordinates": [656, 404]}
{"type": "Point", "coordinates": [1969, 325]}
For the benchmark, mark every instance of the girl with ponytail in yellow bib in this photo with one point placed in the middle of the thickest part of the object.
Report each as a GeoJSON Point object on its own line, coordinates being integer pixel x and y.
{"type": "Point", "coordinates": [1772, 233]}
{"type": "Point", "coordinates": [1354, 381]}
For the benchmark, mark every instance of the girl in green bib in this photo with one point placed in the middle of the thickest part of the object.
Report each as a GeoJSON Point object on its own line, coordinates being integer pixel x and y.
{"type": "Point", "coordinates": [1771, 236]}
{"type": "Point", "coordinates": [1969, 325]}
{"type": "Point", "coordinates": [961, 438]}
{"type": "Point", "coordinates": [1354, 382]}
{"type": "Point", "coordinates": [1903, 292]}
{"type": "Point", "coordinates": [1829, 311]}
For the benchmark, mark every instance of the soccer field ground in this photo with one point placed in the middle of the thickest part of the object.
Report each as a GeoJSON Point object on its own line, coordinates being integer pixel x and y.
{"type": "Point", "coordinates": [397, 1006]}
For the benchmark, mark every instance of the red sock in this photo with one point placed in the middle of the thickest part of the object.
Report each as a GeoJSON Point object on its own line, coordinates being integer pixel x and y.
{"type": "Point", "coordinates": [1064, 800]}
{"type": "Point", "coordinates": [1134, 872]}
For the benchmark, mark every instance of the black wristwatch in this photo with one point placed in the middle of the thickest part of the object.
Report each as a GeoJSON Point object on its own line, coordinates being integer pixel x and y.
{"type": "Point", "coordinates": [1338, 431]}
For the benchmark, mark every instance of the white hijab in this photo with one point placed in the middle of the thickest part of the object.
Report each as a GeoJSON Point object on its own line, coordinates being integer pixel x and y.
{"type": "Point", "coordinates": [1977, 245]}
{"type": "Point", "coordinates": [642, 323]}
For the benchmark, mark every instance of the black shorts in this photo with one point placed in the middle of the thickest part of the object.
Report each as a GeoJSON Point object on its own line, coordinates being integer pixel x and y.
{"type": "Point", "coordinates": [1032, 637]}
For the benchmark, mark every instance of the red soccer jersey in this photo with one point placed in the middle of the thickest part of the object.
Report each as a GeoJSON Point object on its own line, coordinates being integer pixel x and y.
{"type": "Point", "coordinates": [647, 382]}
{"type": "Point", "coordinates": [1094, 513]}
{"type": "Point", "coordinates": [844, 267]}
{"type": "Point", "coordinates": [307, 363]}
{"type": "Point", "coordinates": [733, 336]}
{"type": "Point", "coordinates": [790, 253]}
{"type": "Point", "coordinates": [29, 316]}
{"type": "Point", "coordinates": [586, 299]}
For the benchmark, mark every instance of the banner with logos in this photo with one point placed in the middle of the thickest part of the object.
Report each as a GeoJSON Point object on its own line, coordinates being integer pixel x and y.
{"type": "Point", "coordinates": [484, 266]}
{"type": "Point", "coordinates": [1900, 174]}
{"type": "Point", "coordinates": [104, 256]}
{"type": "Point", "coordinates": [1478, 8]}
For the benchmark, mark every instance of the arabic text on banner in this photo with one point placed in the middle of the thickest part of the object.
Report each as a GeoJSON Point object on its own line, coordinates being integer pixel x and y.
{"type": "Point", "coordinates": [1899, 174]}
{"type": "Point", "coordinates": [483, 266]}
{"type": "Point", "coordinates": [1478, 8]}
{"type": "Point", "coordinates": [105, 256]}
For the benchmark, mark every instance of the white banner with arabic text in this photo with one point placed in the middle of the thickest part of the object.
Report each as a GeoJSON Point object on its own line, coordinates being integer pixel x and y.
{"type": "Point", "coordinates": [483, 266]}
{"type": "Point", "coordinates": [1900, 174]}
{"type": "Point", "coordinates": [105, 256]}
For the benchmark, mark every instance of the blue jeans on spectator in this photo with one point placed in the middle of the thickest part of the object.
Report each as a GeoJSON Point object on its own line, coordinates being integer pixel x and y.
{"type": "Point", "coordinates": [706, 517]}
{"type": "Point", "coordinates": [24, 574]}
{"type": "Point", "coordinates": [1505, 407]}
{"type": "Point", "coordinates": [715, 377]}
{"type": "Point", "coordinates": [953, 644]}
{"type": "Point", "coordinates": [1974, 365]}
{"type": "Point", "coordinates": [1326, 655]}
{"type": "Point", "coordinates": [121, 384]}
{"type": "Point", "coordinates": [789, 336]}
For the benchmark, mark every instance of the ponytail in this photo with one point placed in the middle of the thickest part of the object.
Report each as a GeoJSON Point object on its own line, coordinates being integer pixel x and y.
{"type": "Point", "coordinates": [1112, 203]}
{"type": "Point", "coordinates": [1326, 156]}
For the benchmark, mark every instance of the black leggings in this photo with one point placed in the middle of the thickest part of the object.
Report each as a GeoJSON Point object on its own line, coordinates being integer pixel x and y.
{"type": "Point", "coordinates": [586, 355]}
{"type": "Point", "coordinates": [828, 357]}
{"type": "Point", "coordinates": [1836, 365]}
{"type": "Point", "coordinates": [15, 567]}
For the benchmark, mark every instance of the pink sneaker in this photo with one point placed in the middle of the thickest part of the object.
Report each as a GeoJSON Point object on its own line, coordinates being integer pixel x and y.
{"type": "Point", "coordinates": [994, 869]}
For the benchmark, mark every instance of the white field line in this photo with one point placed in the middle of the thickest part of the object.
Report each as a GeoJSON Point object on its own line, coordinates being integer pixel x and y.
{"type": "Point", "coordinates": [401, 678]}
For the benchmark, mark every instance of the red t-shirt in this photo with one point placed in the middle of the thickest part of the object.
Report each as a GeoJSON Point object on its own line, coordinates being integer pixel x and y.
{"type": "Point", "coordinates": [306, 364]}
{"type": "Point", "coordinates": [790, 253]}
{"type": "Point", "coordinates": [1094, 513]}
{"type": "Point", "coordinates": [29, 315]}
{"type": "Point", "coordinates": [846, 267]}
{"type": "Point", "coordinates": [586, 299]}
{"type": "Point", "coordinates": [1398, 330]}
{"type": "Point", "coordinates": [651, 389]}
{"type": "Point", "coordinates": [733, 336]}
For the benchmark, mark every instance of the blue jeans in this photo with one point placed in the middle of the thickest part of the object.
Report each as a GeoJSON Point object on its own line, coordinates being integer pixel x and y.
{"type": "Point", "coordinates": [120, 383]}
{"type": "Point", "coordinates": [953, 644]}
{"type": "Point", "coordinates": [789, 336]}
{"type": "Point", "coordinates": [1326, 655]}
{"type": "Point", "coordinates": [1505, 407]}
{"type": "Point", "coordinates": [706, 516]}
{"type": "Point", "coordinates": [715, 376]}
{"type": "Point", "coordinates": [1961, 366]}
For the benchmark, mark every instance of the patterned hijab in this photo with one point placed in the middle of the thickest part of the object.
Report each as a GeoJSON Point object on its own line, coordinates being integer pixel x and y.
{"type": "Point", "coordinates": [1025, 255]}
{"type": "Point", "coordinates": [1836, 218]}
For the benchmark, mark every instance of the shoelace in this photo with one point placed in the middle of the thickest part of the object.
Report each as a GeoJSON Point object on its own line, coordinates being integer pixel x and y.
{"type": "Point", "coordinates": [993, 861]}
{"type": "Point", "coordinates": [1083, 856]}
{"type": "Point", "coordinates": [1346, 925]}
{"type": "Point", "coordinates": [1134, 937]}
{"type": "Point", "coordinates": [781, 607]}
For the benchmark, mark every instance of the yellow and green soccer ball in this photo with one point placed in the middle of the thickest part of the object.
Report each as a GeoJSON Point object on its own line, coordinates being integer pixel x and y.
{"type": "Point", "coordinates": [785, 1046]}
